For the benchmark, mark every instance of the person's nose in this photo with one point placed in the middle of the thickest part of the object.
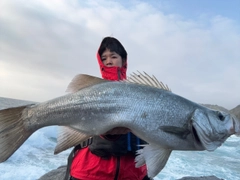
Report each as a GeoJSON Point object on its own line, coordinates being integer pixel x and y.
{"type": "Point", "coordinates": [109, 61]}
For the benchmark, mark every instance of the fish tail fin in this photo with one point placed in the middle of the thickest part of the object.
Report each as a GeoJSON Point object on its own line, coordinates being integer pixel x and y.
{"type": "Point", "coordinates": [12, 132]}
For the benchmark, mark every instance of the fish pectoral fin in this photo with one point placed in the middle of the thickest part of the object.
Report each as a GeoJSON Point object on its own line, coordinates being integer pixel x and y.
{"type": "Point", "coordinates": [155, 157]}
{"type": "Point", "coordinates": [67, 138]}
{"type": "Point", "coordinates": [81, 81]}
{"type": "Point", "coordinates": [179, 131]}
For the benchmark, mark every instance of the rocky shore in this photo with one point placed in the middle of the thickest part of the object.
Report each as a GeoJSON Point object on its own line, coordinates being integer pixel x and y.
{"type": "Point", "coordinates": [59, 174]}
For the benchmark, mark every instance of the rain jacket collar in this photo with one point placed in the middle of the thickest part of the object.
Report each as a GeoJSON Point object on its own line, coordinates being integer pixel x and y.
{"type": "Point", "coordinates": [112, 73]}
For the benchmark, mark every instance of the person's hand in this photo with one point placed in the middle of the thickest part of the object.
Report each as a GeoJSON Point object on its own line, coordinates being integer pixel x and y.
{"type": "Point", "coordinates": [118, 130]}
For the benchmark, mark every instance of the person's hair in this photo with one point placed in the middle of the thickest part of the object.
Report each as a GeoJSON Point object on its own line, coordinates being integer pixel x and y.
{"type": "Point", "coordinates": [113, 45]}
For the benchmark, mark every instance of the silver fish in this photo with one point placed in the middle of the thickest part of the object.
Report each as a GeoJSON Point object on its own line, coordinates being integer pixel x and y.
{"type": "Point", "coordinates": [166, 121]}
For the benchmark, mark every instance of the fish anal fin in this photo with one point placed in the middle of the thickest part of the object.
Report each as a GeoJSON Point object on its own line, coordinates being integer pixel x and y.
{"type": "Point", "coordinates": [67, 138]}
{"type": "Point", "coordinates": [81, 81]}
{"type": "Point", "coordinates": [155, 158]}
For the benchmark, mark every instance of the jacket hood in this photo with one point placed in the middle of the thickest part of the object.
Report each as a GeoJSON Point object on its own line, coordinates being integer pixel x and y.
{"type": "Point", "coordinates": [112, 73]}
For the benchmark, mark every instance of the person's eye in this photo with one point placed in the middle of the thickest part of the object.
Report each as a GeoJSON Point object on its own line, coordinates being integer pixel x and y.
{"type": "Point", "coordinates": [103, 59]}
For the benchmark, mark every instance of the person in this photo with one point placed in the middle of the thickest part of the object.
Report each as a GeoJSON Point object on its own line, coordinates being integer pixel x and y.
{"type": "Point", "coordinates": [110, 156]}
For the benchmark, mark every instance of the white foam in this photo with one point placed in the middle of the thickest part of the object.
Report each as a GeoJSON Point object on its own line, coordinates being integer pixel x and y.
{"type": "Point", "coordinates": [34, 158]}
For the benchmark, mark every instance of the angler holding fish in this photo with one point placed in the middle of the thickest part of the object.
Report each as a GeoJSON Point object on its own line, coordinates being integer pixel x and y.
{"type": "Point", "coordinates": [95, 106]}
{"type": "Point", "coordinates": [113, 155]}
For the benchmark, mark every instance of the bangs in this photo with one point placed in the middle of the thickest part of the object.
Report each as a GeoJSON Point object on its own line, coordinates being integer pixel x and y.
{"type": "Point", "coordinates": [113, 45]}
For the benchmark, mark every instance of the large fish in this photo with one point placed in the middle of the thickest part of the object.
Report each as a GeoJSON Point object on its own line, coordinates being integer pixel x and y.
{"type": "Point", "coordinates": [166, 121]}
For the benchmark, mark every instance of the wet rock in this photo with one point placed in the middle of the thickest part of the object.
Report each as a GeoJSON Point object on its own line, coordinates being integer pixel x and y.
{"type": "Point", "coordinates": [200, 178]}
{"type": "Point", "coordinates": [56, 174]}
{"type": "Point", "coordinates": [59, 174]}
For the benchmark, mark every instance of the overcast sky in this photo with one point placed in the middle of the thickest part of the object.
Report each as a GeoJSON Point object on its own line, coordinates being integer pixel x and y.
{"type": "Point", "coordinates": [192, 46]}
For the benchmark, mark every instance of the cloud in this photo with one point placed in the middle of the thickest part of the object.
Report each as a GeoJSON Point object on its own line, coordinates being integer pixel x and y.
{"type": "Point", "coordinates": [44, 44]}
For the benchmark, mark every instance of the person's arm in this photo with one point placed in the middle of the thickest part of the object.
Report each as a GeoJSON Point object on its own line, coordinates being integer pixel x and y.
{"type": "Point", "coordinates": [115, 133]}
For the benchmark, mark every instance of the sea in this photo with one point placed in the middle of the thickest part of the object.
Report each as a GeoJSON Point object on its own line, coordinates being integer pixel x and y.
{"type": "Point", "coordinates": [35, 157]}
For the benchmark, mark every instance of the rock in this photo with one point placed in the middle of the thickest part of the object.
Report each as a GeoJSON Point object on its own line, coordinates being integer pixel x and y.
{"type": "Point", "coordinates": [56, 174]}
{"type": "Point", "coordinates": [216, 107]}
{"type": "Point", "coordinates": [236, 111]}
{"type": "Point", "coordinates": [59, 174]}
{"type": "Point", "coordinates": [200, 178]}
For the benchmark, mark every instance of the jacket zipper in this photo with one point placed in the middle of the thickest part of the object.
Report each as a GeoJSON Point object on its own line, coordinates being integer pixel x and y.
{"type": "Point", "coordinates": [117, 168]}
{"type": "Point", "coordinates": [118, 157]}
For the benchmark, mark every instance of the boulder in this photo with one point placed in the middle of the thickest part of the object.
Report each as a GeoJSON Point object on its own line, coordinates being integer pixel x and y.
{"type": "Point", "coordinates": [59, 174]}
{"type": "Point", "coordinates": [236, 111]}
{"type": "Point", "coordinates": [56, 174]}
{"type": "Point", "coordinates": [200, 178]}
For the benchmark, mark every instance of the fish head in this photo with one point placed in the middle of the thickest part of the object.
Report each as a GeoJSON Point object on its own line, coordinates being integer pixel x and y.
{"type": "Point", "coordinates": [211, 128]}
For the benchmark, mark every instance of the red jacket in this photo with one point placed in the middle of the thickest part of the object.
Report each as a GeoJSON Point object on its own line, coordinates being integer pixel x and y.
{"type": "Point", "coordinates": [88, 166]}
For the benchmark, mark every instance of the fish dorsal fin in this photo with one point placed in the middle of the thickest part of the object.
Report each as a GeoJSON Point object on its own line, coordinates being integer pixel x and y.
{"type": "Point", "coordinates": [140, 78]}
{"type": "Point", "coordinates": [81, 81]}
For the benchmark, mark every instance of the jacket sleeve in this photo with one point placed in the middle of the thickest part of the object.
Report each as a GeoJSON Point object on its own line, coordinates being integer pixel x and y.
{"type": "Point", "coordinates": [110, 137]}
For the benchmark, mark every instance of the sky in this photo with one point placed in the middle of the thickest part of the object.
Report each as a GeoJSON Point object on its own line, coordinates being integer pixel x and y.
{"type": "Point", "coordinates": [192, 46]}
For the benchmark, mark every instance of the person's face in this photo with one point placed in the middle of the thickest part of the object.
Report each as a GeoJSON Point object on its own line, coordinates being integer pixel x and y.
{"type": "Point", "coordinates": [111, 59]}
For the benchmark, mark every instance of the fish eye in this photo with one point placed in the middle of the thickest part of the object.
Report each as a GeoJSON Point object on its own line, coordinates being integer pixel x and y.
{"type": "Point", "coordinates": [220, 116]}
